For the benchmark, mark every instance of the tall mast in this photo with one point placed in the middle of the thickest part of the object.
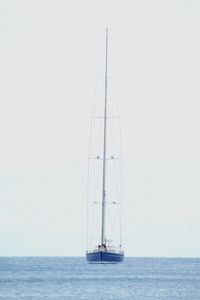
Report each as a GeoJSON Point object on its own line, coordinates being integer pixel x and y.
{"type": "Point", "coordinates": [104, 147]}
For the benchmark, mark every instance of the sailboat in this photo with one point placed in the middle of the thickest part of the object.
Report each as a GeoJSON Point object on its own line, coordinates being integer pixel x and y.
{"type": "Point", "coordinates": [105, 251]}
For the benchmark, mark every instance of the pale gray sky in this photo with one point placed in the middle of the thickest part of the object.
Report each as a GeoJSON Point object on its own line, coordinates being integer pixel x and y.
{"type": "Point", "coordinates": [49, 57]}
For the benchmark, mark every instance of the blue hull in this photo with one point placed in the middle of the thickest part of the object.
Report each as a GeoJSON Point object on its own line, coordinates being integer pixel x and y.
{"type": "Point", "coordinates": [104, 257]}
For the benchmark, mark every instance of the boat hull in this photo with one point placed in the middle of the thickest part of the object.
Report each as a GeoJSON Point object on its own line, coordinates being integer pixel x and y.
{"type": "Point", "coordinates": [104, 257]}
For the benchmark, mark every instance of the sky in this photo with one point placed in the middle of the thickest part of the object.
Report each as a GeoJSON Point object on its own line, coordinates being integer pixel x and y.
{"type": "Point", "coordinates": [50, 53]}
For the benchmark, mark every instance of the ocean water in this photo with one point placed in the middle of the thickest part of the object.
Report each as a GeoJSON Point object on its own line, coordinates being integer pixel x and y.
{"type": "Point", "coordinates": [59, 278]}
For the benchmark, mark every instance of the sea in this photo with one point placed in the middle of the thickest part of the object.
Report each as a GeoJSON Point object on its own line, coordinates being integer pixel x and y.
{"type": "Point", "coordinates": [63, 278]}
